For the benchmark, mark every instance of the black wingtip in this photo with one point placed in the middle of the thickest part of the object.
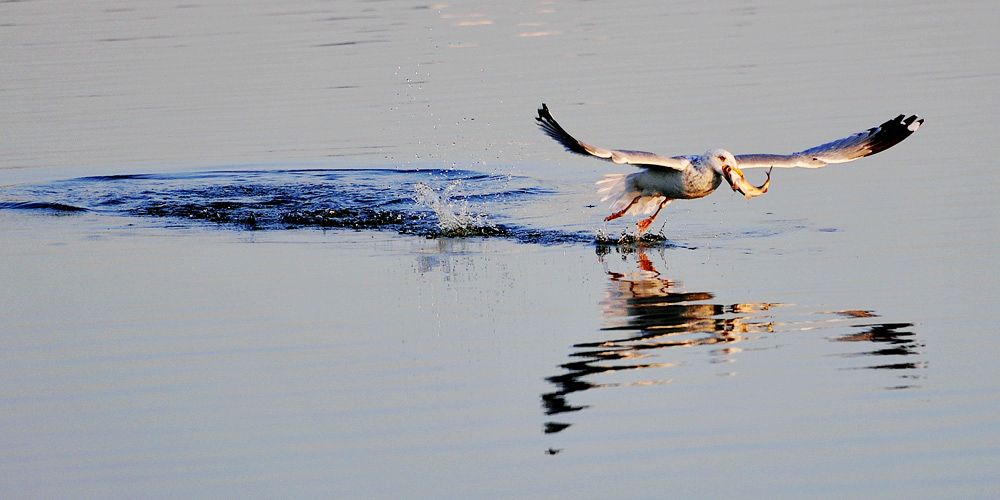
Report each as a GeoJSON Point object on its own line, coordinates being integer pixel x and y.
{"type": "Point", "coordinates": [892, 132]}
{"type": "Point", "coordinates": [543, 113]}
{"type": "Point", "coordinates": [551, 127]}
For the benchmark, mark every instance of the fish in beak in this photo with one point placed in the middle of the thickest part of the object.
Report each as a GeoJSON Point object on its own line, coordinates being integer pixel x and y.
{"type": "Point", "coordinates": [740, 184]}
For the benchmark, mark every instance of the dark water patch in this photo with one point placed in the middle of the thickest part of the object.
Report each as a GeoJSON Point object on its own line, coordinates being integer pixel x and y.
{"type": "Point", "coordinates": [119, 177]}
{"type": "Point", "coordinates": [353, 218]}
{"type": "Point", "coordinates": [426, 202]}
{"type": "Point", "coordinates": [40, 205]}
{"type": "Point", "coordinates": [348, 43]}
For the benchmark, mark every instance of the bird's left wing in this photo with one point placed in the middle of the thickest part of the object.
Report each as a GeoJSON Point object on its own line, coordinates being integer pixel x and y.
{"type": "Point", "coordinates": [552, 128]}
{"type": "Point", "coordinates": [850, 148]}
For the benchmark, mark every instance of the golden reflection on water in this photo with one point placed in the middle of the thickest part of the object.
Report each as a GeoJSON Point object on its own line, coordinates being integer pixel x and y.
{"type": "Point", "coordinates": [646, 312]}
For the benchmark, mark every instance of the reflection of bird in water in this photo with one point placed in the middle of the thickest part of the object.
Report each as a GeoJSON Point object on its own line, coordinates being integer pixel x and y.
{"type": "Point", "coordinates": [664, 179]}
{"type": "Point", "coordinates": [659, 316]}
{"type": "Point", "coordinates": [645, 313]}
{"type": "Point", "coordinates": [651, 304]}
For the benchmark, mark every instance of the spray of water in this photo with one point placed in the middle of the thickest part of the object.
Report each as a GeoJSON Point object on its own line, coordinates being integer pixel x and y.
{"type": "Point", "coordinates": [455, 218]}
{"type": "Point", "coordinates": [626, 238]}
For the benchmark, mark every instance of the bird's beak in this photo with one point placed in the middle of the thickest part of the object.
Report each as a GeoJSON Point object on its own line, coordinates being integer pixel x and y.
{"type": "Point", "coordinates": [739, 182]}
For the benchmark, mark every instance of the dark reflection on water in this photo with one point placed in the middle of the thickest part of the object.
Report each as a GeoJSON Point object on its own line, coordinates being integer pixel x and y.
{"type": "Point", "coordinates": [892, 340]}
{"type": "Point", "coordinates": [647, 312]}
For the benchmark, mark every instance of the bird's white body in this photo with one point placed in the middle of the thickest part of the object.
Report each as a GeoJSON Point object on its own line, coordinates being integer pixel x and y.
{"type": "Point", "coordinates": [700, 178]}
{"type": "Point", "coordinates": [653, 187]}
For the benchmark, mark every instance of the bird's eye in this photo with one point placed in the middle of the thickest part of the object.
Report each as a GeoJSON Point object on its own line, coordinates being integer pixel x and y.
{"type": "Point", "coordinates": [721, 157]}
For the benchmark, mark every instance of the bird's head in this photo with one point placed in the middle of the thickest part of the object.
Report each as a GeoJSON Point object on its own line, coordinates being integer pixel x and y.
{"type": "Point", "coordinates": [724, 163]}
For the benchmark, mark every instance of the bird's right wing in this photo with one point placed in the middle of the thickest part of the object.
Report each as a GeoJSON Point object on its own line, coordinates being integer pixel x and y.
{"type": "Point", "coordinates": [850, 148]}
{"type": "Point", "coordinates": [623, 156]}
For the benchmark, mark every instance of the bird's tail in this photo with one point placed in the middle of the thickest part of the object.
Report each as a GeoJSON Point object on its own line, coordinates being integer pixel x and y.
{"type": "Point", "coordinates": [615, 187]}
{"type": "Point", "coordinates": [612, 186]}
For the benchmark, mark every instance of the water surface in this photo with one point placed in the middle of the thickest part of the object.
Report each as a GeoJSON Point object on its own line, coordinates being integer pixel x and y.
{"type": "Point", "coordinates": [228, 262]}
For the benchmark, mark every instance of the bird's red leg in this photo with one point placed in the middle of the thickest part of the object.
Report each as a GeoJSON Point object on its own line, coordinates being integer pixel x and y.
{"type": "Point", "coordinates": [622, 211]}
{"type": "Point", "coordinates": [643, 225]}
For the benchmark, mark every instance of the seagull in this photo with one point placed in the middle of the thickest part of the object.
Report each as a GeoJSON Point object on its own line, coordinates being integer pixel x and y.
{"type": "Point", "coordinates": [664, 179]}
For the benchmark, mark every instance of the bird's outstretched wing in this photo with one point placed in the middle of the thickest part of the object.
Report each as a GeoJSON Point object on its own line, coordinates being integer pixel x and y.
{"type": "Point", "coordinates": [850, 148]}
{"type": "Point", "coordinates": [574, 145]}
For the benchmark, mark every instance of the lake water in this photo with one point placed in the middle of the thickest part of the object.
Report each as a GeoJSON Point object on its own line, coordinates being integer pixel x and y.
{"type": "Point", "coordinates": [223, 269]}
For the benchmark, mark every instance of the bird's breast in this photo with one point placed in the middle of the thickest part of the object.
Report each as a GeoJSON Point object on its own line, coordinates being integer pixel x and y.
{"type": "Point", "coordinates": [674, 184]}
{"type": "Point", "coordinates": [700, 182]}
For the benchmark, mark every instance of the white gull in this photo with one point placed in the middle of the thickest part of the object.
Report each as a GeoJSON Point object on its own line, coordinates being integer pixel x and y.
{"type": "Point", "coordinates": [664, 179]}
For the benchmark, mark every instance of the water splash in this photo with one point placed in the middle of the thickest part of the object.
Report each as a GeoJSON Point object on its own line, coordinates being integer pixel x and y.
{"type": "Point", "coordinates": [456, 217]}
{"type": "Point", "coordinates": [629, 240]}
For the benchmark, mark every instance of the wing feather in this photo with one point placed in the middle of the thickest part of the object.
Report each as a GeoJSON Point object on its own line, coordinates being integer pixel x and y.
{"type": "Point", "coordinates": [859, 145]}
{"type": "Point", "coordinates": [645, 159]}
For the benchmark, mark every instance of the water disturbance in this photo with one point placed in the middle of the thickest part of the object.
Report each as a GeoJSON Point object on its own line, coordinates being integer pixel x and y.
{"type": "Point", "coordinates": [431, 203]}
